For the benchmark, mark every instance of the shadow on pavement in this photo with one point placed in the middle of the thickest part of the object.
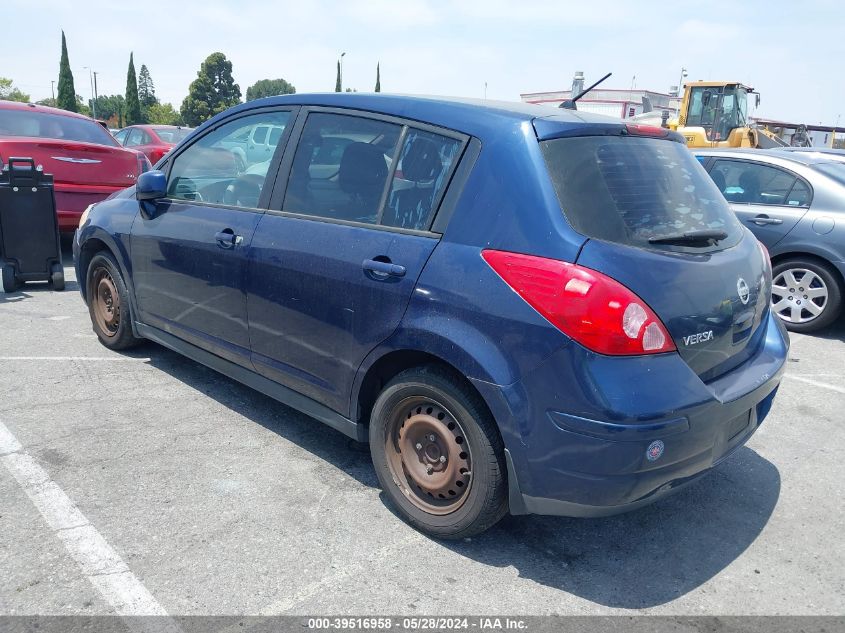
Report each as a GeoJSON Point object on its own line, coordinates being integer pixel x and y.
{"type": "Point", "coordinates": [636, 560]}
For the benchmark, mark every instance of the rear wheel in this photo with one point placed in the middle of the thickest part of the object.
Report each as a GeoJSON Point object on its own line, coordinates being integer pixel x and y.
{"type": "Point", "coordinates": [10, 282]}
{"type": "Point", "coordinates": [438, 454]}
{"type": "Point", "coordinates": [806, 294]}
{"type": "Point", "coordinates": [108, 303]}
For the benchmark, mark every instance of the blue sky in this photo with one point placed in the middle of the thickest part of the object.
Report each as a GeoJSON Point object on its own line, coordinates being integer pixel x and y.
{"type": "Point", "coordinates": [441, 47]}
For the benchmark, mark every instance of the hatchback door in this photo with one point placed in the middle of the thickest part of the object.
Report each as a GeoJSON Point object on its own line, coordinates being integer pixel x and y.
{"type": "Point", "coordinates": [767, 199]}
{"type": "Point", "coordinates": [642, 201]}
{"type": "Point", "coordinates": [190, 252]}
{"type": "Point", "coordinates": [332, 272]}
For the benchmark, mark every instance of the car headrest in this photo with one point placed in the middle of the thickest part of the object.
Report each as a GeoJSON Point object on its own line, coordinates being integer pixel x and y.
{"type": "Point", "coordinates": [362, 168]}
{"type": "Point", "coordinates": [749, 181]}
{"type": "Point", "coordinates": [421, 161]}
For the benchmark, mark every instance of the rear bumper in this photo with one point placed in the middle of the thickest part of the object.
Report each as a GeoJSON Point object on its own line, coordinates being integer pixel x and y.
{"type": "Point", "coordinates": [591, 435]}
{"type": "Point", "coordinates": [72, 200]}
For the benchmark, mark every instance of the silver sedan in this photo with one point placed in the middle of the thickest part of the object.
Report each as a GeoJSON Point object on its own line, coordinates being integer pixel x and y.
{"type": "Point", "coordinates": [794, 202]}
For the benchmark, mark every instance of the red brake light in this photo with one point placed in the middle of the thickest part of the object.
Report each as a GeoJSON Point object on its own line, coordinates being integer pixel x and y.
{"type": "Point", "coordinates": [638, 129]}
{"type": "Point", "coordinates": [143, 164]}
{"type": "Point", "coordinates": [597, 311]}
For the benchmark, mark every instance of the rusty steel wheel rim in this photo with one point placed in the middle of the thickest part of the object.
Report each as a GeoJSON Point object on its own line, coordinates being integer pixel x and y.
{"type": "Point", "coordinates": [106, 303]}
{"type": "Point", "coordinates": [429, 456]}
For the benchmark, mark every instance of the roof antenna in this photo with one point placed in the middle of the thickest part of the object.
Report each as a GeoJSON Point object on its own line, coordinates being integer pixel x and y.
{"type": "Point", "coordinates": [569, 104]}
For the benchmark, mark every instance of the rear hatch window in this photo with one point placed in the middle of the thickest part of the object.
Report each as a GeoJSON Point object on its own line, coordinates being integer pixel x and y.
{"type": "Point", "coordinates": [47, 125]}
{"type": "Point", "coordinates": [628, 190]}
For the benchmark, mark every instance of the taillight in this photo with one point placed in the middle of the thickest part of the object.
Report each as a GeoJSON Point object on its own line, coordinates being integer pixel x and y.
{"type": "Point", "coordinates": [143, 164]}
{"type": "Point", "coordinates": [597, 311]}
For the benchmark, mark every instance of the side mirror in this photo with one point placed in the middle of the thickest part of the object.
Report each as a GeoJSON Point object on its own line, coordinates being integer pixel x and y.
{"type": "Point", "coordinates": [151, 185]}
{"type": "Point", "coordinates": [757, 100]}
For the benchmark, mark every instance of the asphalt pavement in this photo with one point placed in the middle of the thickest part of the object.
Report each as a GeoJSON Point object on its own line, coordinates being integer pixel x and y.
{"type": "Point", "coordinates": [146, 483]}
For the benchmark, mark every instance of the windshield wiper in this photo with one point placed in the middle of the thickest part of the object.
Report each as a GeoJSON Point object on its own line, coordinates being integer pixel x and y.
{"type": "Point", "coordinates": [705, 236]}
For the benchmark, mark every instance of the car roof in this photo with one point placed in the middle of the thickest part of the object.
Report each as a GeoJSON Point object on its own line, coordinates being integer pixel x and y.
{"type": "Point", "coordinates": [34, 107]}
{"type": "Point", "coordinates": [465, 115]}
{"type": "Point", "coordinates": [803, 158]}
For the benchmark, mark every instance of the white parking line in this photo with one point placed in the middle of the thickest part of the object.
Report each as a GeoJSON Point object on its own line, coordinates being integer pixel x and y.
{"type": "Point", "coordinates": [115, 359]}
{"type": "Point", "coordinates": [816, 383]}
{"type": "Point", "coordinates": [98, 561]}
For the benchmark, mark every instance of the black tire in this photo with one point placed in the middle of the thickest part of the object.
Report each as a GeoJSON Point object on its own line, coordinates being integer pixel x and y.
{"type": "Point", "coordinates": [111, 320]}
{"type": "Point", "coordinates": [794, 316]}
{"type": "Point", "coordinates": [482, 498]}
{"type": "Point", "coordinates": [10, 282]}
{"type": "Point", "coordinates": [57, 277]}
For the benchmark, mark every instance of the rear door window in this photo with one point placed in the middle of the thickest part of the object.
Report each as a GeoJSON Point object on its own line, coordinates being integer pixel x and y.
{"type": "Point", "coordinates": [348, 181]}
{"type": "Point", "coordinates": [629, 189]}
{"type": "Point", "coordinates": [754, 183]}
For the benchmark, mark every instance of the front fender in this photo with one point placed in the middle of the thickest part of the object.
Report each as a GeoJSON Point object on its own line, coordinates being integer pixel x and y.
{"type": "Point", "coordinates": [110, 224]}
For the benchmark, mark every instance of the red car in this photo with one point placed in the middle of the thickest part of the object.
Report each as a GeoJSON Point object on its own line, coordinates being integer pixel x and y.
{"type": "Point", "coordinates": [154, 140]}
{"type": "Point", "coordinates": [87, 164]}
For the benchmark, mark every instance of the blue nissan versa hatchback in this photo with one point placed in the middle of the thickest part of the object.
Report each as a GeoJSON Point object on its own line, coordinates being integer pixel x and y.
{"type": "Point", "coordinates": [519, 308]}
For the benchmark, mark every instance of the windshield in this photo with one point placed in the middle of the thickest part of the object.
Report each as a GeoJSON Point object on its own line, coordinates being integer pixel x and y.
{"type": "Point", "coordinates": [717, 109]}
{"type": "Point", "coordinates": [172, 134]}
{"type": "Point", "coordinates": [44, 125]}
{"type": "Point", "coordinates": [627, 190]}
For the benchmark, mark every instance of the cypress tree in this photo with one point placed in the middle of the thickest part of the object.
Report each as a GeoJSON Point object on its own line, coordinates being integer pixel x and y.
{"type": "Point", "coordinates": [66, 99]}
{"type": "Point", "coordinates": [337, 86]}
{"type": "Point", "coordinates": [133, 106]}
{"type": "Point", "coordinates": [378, 78]}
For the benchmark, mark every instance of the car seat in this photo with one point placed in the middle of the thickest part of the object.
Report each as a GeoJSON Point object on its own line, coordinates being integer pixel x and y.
{"type": "Point", "coordinates": [421, 165]}
{"type": "Point", "coordinates": [362, 174]}
{"type": "Point", "coordinates": [750, 185]}
{"type": "Point", "coordinates": [719, 180]}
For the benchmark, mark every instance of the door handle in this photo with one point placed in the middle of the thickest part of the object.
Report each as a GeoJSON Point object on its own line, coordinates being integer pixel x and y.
{"type": "Point", "coordinates": [227, 238]}
{"type": "Point", "coordinates": [761, 220]}
{"type": "Point", "coordinates": [380, 270]}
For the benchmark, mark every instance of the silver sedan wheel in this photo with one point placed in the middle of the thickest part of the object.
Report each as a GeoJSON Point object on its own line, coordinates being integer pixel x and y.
{"type": "Point", "coordinates": [799, 295]}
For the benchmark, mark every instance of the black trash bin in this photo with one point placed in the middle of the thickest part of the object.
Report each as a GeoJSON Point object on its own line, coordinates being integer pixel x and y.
{"type": "Point", "coordinates": [30, 249]}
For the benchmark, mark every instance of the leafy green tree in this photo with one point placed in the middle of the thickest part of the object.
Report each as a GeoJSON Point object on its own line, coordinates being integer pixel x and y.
{"type": "Point", "coordinates": [49, 101]}
{"type": "Point", "coordinates": [132, 113]}
{"type": "Point", "coordinates": [378, 78]}
{"type": "Point", "coordinates": [110, 108]}
{"type": "Point", "coordinates": [146, 88]}
{"type": "Point", "coordinates": [213, 91]}
{"type": "Point", "coordinates": [337, 85]}
{"type": "Point", "coordinates": [269, 88]}
{"type": "Point", "coordinates": [67, 93]}
{"type": "Point", "coordinates": [163, 114]}
{"type": "Point", "coordinates": [9, 93]}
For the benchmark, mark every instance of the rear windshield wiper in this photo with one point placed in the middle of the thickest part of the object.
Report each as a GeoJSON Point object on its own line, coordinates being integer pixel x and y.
{"type": "Point", "coordinates": [704, 236]}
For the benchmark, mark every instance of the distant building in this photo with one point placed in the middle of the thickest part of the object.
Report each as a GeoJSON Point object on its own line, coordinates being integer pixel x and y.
{"type": "Point", "coordinates": [622, 104]}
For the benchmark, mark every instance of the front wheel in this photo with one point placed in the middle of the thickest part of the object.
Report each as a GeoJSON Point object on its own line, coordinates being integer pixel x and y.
{"type": "Point", "coordinates": [438, 454]}
{"type": "Point", "coordinates": [806, 294]}
{"type": "Point", "coordinates": [108, 303]}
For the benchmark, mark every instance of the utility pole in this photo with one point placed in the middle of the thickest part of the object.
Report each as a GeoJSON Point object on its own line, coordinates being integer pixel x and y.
{"type": "Point", "coordinates": [93, 98]}
{"type": "Point", "coordinates": [53, 89]}
{"type": "Point", "coordinates": [341, 70]}
{"type": "Point", "coordinates": [95, 86]}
